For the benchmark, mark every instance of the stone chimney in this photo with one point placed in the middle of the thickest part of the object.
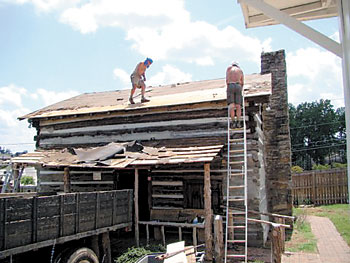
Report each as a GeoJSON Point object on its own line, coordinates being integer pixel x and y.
{"type": "Point", "coordinates": [277, 145]}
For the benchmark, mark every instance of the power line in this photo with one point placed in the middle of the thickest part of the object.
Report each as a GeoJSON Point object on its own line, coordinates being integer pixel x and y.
{"type": "Point", "coordinates": [315, 142]}
{"type": "Point", "coordinates": [321, 147]}
{"type": "Point", "coordinates": [313, 125]}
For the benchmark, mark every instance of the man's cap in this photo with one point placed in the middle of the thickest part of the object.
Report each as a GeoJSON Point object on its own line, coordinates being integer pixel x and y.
{"type": "Point", "coordinates": [149, 60]}
{"type": "Point", "coordinates": [235, 63]}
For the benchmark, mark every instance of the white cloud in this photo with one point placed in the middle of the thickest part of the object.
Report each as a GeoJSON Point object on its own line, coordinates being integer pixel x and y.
{"type": "Point", "coordinates": [169, 75]}
{"type": "Point", "coordinates": [123, 76]}
{"type": "Point", "coordinates": [15, 134]}
{"type": "Point", "coordinates": [159, 29]}
{"type": "Point", "coordinates": [314, 74]}
{"type": "Point", "coordinates": [50, 97]}
{"type": "Point", "coordinates": [11, 94]}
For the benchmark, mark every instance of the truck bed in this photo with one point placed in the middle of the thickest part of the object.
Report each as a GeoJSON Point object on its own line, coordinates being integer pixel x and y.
{"type": "Point", "coordinates": [33, 222]}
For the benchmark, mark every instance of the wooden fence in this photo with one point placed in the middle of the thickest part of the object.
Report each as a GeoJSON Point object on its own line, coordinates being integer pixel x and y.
{"type": "Point", "coordinates": [320, 187]}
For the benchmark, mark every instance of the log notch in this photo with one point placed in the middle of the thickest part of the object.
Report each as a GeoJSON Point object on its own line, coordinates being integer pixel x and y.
{"type": "Point", "coordinates": [208, 215]}
{"type": "Point", "coordinates": [66, 180]}
{"type": "Point", "coordinates": [136, 204]}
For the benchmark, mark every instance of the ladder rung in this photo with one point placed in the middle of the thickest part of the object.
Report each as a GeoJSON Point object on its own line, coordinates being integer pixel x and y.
{"type": "Point", "coordinates": [236, 227]}
{"type": "Point", "coordinates": [237, 162]}
{"type": "Point", "coordinates": [237, 174]}
{"type": "Point", "coordinates": [235, 241]}
{"type": "Point", "coordinates": [236, 199]}
{"type": "Point", "coordinates": [237, 151]}
{"type": "Point", "coordinates": [235, 256]}
{"type": "Point", "coordinates": [236, 186]}
{"type": "Point", "coordinates": [237, 140]}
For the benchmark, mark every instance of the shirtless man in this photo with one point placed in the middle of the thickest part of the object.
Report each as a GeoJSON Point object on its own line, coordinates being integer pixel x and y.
{"type": "Point", "coordinates": [138, 79]}
{"type": "Point", "coordinates": [234, 82]}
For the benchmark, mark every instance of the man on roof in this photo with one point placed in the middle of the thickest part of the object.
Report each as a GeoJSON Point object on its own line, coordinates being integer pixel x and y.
{"type": "Point", "coordinates": [234, 82]}
{"type": "Point", "coordinates": [138, 79]}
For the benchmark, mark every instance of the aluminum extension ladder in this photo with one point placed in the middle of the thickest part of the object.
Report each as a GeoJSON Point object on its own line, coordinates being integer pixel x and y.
{"type": "Point", "coordinates": [236, 233]}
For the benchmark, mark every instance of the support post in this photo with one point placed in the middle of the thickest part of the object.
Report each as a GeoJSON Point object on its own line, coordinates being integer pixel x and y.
{"type": "Point", "coordinates": [277, 244]}
{"type": "Point", "coordinates": [66, 180]}
{"type": "Point", "coordinates": [16, 182]}
{"type": "Point", "coordinates": [208, 215]}
{"type": "Point", "coordinates": [106, 246]}
{"type": "Point", "coordinates": [344, 33]}
{"type": "Point", "coordinates": [136, 205]}
{"type": "Point", "coordinates": [218, 239]}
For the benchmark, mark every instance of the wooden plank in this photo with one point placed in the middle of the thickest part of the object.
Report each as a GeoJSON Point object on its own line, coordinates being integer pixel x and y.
{"type": "Point", "coordinates": [21, 249]}
{"type": "Point", "coordinates": [218, 239]}
{"type": "Point", "coordinates": [194, 236]}
{"type": "Point", "coordinates": [34, 220]}
{"type": "Point", "coordinates": [66, 180]}
{"type": "Point", "coordinates": [175, 224]}
{"type": "Point", "coordinates": [163, 234]}
{"type": "Point", "coordinates": [136, 203]}
{"type": "Point", "coordinates": [106, 247]}
{"type": "Point", "coordinates": [208, 215]}
{"type": "Point", "coordinates": [167, 183]}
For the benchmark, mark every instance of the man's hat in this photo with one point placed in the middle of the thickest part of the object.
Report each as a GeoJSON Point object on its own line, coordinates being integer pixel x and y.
{"type": "Point", "coordinates": [149, 60]}
{"type": "Point", "coordinates": [234, 63]}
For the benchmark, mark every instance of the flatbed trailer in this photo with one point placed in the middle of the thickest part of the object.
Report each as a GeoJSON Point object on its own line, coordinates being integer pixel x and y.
{"type": "Point", "coordinates": [31, 222]}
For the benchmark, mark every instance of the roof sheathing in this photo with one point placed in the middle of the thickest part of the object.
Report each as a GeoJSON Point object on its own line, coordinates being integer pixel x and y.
{"type": "Point", "coordinates": [163, 96]}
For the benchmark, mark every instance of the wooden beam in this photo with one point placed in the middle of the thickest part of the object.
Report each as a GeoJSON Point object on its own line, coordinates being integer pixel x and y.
{"type": "Point", "coordinates": [218, 239]}
{"type": "Point", "coordinates": [208, 214]}
{"type": "Point", "coordinates": [136, 205]}
{"type": "Point", "coordinates": [66, 180]}
{"type": "Point", "coordinates": [106, 247]}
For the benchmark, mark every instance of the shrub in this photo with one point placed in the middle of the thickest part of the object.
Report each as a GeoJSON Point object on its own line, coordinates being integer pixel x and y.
{"type": "Point", "coordinates": [135, 253]}
{"type": "Point", "coordinates": [339, 165]}
{"type": "Point", "coordinates": [321, 167]}
{"type": "Point", "coordinates": [25, 180]}
{"type": "Point", "coordinates": [297, 169]}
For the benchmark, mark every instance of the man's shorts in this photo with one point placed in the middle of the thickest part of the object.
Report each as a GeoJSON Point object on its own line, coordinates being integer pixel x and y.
{"type": "Point", "coordinates": [136, 80]}
{"type": "Point", "coordinates": [234, 93]}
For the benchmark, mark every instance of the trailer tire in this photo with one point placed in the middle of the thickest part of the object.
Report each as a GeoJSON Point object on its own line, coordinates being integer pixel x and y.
{"type": "Point", "coordinates": [80, 255]}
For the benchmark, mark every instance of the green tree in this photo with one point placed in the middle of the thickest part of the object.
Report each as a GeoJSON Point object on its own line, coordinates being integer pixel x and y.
{"type": "Point", "coordinates": [316, 130]}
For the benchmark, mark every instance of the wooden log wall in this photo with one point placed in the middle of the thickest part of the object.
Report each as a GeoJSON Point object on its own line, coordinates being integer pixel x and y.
{"type": "Point", "coordinates": [51, 180]}
{"type": "Point", "coordinates": [29, 220]}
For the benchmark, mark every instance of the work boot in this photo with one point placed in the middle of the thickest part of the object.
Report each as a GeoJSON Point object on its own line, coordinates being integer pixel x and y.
{"type": "Point", "coordinates": [144, 100]}
{"type": "Point", "coordinates": [239, 125]}
{"type": "Point", "coordinates": [131, 100]}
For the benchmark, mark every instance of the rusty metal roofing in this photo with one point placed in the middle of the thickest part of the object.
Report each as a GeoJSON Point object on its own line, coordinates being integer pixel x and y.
{"type": "Point", "coordinates": [176, 94]}
{"type": "Point", "coordinates": [147, 156]}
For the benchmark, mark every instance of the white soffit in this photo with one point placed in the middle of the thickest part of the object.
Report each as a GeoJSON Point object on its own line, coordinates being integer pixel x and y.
{"type": "Point", "coordinates": [299, 9]}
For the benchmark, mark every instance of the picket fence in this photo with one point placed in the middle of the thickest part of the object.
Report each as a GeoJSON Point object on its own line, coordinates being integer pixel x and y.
{"type": "Point", "coordinates": [320, 187]}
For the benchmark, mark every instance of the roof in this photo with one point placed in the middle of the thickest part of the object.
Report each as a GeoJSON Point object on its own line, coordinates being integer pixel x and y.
{"type": "Point", "coordinates": [176, 94]}
{"type": "Point", "coordinates": [299, 9]}
{"type": "Point", "coordinates": [118, 155]}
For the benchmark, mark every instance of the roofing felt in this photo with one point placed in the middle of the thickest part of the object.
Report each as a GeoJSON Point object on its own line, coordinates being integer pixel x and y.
{"type": "Point", "coordinates": [175, 94]}
{"type": "Point", "coordinates": [111, 156]}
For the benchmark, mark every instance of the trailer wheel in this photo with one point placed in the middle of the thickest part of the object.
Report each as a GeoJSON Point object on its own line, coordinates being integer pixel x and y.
{"type": "Point", "coordinates": [80, 255]}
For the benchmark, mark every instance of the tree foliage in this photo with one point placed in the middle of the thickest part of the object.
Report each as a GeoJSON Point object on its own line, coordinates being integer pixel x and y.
{"type": "Point", "coordinates": [317, 133]}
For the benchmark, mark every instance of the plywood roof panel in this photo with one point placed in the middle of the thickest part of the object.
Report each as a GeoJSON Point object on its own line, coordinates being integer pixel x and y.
{"type": "Point", "coordinates": [176, 94]}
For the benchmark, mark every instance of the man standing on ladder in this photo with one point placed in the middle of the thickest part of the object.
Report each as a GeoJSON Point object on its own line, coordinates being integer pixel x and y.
{"type": "Point", "coordinates": [138, 79]}
{"type": "Point", "coordinates": [234, 82]}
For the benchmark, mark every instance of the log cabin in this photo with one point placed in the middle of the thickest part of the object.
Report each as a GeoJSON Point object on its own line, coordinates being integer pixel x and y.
{"type": "Point", "coordinates": [169, 149]}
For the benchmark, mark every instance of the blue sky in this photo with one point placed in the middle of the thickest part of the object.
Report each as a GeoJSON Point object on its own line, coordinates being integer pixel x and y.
{"type": "Point", "coordinates": [51, 50]}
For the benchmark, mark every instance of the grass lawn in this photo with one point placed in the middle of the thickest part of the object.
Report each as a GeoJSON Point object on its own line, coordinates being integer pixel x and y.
{"type": "Point", "coordinates": [303, 239]}
{"type": "Point", "coordinates": [339, 214]}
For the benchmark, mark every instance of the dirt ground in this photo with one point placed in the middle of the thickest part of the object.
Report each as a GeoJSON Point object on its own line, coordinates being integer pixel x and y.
{"type": "Point", "coordinates": [119, 246]}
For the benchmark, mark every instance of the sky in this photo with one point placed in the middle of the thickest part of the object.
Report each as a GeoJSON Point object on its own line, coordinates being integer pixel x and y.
{"type": "Point", "coordinates": [51, 50]}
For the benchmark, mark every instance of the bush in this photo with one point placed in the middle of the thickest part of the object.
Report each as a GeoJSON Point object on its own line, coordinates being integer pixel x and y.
{"type": "Point", "coordinates": [321, 167]}
{"type": "Point", "coordinates": [25, 180]}
{"type": "Point", "coordinates": [135, 253]}
{"type": "Point", "coordinates": [297, 169]}
{"type": "Point", "coordinates": [339, 165]}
